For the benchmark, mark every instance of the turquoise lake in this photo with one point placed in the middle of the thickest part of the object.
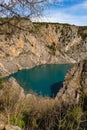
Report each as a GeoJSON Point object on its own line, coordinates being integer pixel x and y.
{"type": "Point", "coordinates": [45, 80]}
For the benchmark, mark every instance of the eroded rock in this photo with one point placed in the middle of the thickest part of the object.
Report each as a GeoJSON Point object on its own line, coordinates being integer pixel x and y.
{"type": "Point", "coordinates": [75, 84]}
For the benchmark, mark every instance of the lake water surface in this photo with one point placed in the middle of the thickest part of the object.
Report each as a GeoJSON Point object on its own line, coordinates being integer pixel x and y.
{"type": "Point", "coordinates": [44, 80]}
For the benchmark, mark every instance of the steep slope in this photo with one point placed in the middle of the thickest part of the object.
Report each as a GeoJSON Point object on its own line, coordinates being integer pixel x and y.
{"type": "Point", "coordinates": [24, 44]}
{"type": "Point", "coordinates": [75, 84]}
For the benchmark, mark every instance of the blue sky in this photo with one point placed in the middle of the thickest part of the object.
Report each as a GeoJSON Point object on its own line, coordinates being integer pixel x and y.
{"type": "Point", "coordinates": [67, 11]}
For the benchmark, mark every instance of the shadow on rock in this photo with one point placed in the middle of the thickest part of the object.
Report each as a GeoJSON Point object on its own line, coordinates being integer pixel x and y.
{"type": "Point", "coordinates": [55, 88]}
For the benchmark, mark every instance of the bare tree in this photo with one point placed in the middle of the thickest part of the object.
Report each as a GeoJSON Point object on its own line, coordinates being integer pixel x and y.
{"type": "Point", "coordinates": [20, 8]}
{"type": "Point", "coordinates": [23, 8]}
{"type": "Point", "coordinates": [17, 9]}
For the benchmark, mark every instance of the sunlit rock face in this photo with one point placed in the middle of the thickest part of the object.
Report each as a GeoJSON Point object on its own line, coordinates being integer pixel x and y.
{"type": "Point", "coordinates": [40, 43]}
{"type": "Point", "coordinates": [75, 84]}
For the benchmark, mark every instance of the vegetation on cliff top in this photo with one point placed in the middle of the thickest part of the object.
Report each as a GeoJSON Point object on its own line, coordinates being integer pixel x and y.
{"type": "Point", "coordinates": [82, 31]}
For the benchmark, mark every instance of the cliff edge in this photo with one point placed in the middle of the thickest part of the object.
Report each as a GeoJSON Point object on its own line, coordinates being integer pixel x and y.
{"type": "Point", "coordinates": [75, 84]}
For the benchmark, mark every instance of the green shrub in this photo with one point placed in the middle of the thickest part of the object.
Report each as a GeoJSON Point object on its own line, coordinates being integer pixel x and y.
{"type": "Point", "coordinates": [52, 48]}
{"type": "Point", "coordinates": [81, 32]}
{"type": "Point", "coordinates": [1, 81]}
{"type": "Point", "coordinates": [17, 120]}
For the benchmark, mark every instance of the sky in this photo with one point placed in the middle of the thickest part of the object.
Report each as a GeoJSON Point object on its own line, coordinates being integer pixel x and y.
{"type": "Point", "coordinates": [66, 11]}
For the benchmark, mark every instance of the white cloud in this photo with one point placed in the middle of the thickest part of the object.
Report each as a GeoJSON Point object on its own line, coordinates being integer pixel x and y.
{"type": "Point", "coordinates": [79, 7]}
{"type": "Point", "coordinates": [72, 15]}
{"type": "Point", "coordinates": [62, 18]}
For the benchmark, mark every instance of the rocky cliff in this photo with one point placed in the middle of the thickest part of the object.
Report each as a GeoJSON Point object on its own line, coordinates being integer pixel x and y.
{"type": "Point", "coordinates": [24, 44]}
{"type": "Point", "coordinates": [75, 84]}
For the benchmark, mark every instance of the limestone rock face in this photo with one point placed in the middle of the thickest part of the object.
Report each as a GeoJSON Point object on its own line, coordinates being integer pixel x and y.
{"type": "Point", "coordinates": [12, 127]}
{"type": "Point", "coordinates": [1, 125]}
{"type": "Point", "coordinates": [40, 43]}
{"type": "Point", "coordinates": [75, 83]}
{"type": "Point", "coordinates": [8, 127]}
